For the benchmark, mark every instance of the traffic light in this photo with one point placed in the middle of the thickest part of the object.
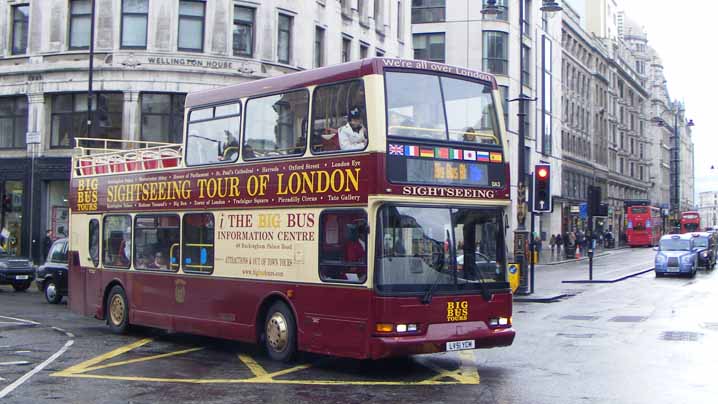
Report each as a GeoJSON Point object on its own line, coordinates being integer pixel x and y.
{"type": "Point", "coordinates": [594, 201]}
{"type": "Point", "coordinates": [542, 188]}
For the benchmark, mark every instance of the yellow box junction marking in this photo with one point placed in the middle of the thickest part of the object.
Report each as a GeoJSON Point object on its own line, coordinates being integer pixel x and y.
{"type": "Point", "coordinates": [466, 372]}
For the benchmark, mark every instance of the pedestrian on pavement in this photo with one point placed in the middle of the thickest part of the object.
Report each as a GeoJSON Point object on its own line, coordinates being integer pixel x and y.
{"type": "Point", "coordinates": [559, 243]}
{"type": "Point", "coordinates": [552, 244]}
{"type": "Point", "coordinates": [47, 243]}
{"type": "Point", "coordinates": [537, 246]}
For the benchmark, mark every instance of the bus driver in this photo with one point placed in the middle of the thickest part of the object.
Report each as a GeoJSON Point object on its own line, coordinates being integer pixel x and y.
{"type": "Point", "coordinates": [352, 136]}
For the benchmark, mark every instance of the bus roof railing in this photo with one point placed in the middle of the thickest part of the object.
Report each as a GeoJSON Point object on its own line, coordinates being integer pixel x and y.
{"type": "Point", "coordinates": [107, 156]}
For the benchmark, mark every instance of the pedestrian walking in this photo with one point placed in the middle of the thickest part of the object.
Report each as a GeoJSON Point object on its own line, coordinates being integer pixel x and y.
{"type": "Point", "coordinates": [46, 243]}
{"type": "Point", "coordinates": [559, 243]}
{"type": "Point", "coordinates": [552, 244]}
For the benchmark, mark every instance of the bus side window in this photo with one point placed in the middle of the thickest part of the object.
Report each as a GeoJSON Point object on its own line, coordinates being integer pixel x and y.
{"type": "Point", "coordinates": [213, 135]}
{"type": "Point", "coordinates": [343, 246]}
{"type": "Point", "coordinates": [94, 242]}
{"type": "Point", "coordinates": [276, 125]}
{"type": "Point", "coordinates": [156, 239]}
{"type": "Point", "coordinates": [198, 242]}
{"type": "Point", "coordinates": [116, 241]}
{"type": "Point", "coordinates": [331, 107]}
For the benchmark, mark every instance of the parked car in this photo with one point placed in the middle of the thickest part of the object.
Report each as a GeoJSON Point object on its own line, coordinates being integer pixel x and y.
{"type": "Point", "coordinates": [16, 271]}
{"type": "Point", "coordinates": [52, 276]}
{"type": "Point", "coordinates": [676, 255]}
{"type": "Point", "coordinates": [705, 245]}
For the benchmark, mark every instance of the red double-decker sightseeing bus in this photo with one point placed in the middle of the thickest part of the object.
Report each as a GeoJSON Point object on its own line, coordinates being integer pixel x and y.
{"type": "Point", "coordinates": [355, 210]}
{"type": "Point", "coordinates": [644, 226]}
{"type": "Point", "coordinates": [690, 222]}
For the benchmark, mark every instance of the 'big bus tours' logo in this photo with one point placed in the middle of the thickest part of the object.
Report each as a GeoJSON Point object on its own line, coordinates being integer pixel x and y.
{"type": "Point", "coordinates": [457, 311]}
{"type": "Point", "coordinates": [87, 195]}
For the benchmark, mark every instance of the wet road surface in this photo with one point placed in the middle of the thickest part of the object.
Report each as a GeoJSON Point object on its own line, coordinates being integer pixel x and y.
{"type": "Point", "coordinates": [642, 340]}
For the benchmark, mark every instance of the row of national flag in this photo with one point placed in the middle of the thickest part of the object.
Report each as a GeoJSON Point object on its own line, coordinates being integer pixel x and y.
{"type": "Point", "coordinates": [446, 153]}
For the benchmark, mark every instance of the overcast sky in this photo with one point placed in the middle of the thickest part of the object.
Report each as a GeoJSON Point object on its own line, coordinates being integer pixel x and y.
{"type": "Point", "coordinates": [682, 32]}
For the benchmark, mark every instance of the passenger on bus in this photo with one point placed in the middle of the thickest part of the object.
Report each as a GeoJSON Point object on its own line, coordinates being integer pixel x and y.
{"type": "Point", "coordinates": [230, 147]}
{"type": "Point", "coordinates": [470, 135]}
{"type": "Point", "coordinates": [160, 261]}
{"type": "Point", "coordinates": [352, 136]}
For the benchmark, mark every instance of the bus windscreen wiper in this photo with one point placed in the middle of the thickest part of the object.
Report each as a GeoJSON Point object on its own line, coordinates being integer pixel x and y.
{"type": "Point", "coordinates": [426, 299]}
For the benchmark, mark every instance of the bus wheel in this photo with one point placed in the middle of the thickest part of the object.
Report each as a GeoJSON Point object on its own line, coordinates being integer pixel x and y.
{"type": "Point", "coordinates": [117, 310]}
{"type": "Point", "coordinates": [280, 333]}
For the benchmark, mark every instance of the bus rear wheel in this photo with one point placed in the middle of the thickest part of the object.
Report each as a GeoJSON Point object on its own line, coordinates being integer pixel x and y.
{"type": "Point", "coordinates": [280, 333]}
{"type": "Point", "coordinates": [117, 310]}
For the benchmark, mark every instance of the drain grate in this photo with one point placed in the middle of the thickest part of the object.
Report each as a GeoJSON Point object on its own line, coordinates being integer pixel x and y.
{"type": "Point", "coordinates": [580, 318]}
{"type": "Point", "coordinates": [628, 319]}
{"type": "Point", "coordinates": [574, 335]}
{"type": "Point", "coordinates": [681, 336]}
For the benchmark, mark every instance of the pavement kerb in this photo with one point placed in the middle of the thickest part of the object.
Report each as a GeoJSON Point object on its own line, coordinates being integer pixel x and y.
{"type": "Point", "coordinates": [540, 299]}
{"type": "Point", "coordinates": [622, 278]}
{"type": "Point", "coordinates": [585, 258]}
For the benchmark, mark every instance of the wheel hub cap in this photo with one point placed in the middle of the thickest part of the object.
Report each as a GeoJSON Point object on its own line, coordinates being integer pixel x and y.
{"type": "Point", "coordinates": [277, 333]}
{"type": "Point", "coordinates": [51, 291]}
{"type": "Point", "coordinates": [117, 310]}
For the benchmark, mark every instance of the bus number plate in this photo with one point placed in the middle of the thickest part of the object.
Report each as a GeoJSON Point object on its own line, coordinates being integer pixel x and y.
{"type": "Point", "coordinates": [460, 345]}
{"type": "Point", "coordinates": [21, 277]}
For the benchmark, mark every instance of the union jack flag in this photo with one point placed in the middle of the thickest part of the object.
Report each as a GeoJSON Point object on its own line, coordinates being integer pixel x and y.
{"type": "Point", "coordinates": [397, 150]}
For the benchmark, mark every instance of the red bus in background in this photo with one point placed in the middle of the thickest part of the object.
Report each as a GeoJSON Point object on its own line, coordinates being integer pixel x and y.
{"type": "Point", "coordinates": [644, 225]}
{"type": "Point", "coordinates": [690, 222]}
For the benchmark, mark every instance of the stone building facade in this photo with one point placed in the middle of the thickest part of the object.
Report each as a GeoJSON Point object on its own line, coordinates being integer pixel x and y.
{"type": "Point", "coordinates": [148, 56]}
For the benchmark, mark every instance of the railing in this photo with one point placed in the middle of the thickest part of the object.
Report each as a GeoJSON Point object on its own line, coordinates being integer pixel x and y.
{"type": "Point", "coordinates": [107, 156]}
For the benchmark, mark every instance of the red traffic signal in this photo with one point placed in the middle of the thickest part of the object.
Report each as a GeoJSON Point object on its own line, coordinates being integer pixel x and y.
{"type": "Point", "coordinates": [542, 188]}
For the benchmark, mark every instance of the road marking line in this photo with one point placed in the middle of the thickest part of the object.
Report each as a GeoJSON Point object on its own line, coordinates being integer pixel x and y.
{"type": "Point", "coordinates": [14, 363]}
{"type": "Point", "coordinates": [22, 351]}
{"type": "Point", "coordinates": [144, 359]}
{"type": "Point", "coordinates": [98, 359]}
{"type": "Point", "coordinates": [260, 373]}
{"type": "Point", "coordinates": [7, 390]}
{"type": "Point", "coordinates": [255, 380]}
{"type": "Point", "coordinates": [21, 320]}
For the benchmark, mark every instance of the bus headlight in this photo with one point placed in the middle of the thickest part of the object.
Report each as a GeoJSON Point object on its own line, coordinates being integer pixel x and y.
{"type": "Point", "coordinates": [500, 322]}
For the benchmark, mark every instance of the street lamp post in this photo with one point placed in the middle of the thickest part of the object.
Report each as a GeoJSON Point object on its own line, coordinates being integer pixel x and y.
{"type": "Point", "coordinates": [521, 234]}
{"type": "Point", "coordinates": [91, 68]}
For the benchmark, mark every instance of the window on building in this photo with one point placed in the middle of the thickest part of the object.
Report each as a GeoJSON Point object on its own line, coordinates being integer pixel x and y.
{"type": "Point", "coordinates": [547, 96]}
{"type": "Point", "coordinates": [496, 52]}
{"type": "Point", "coordinates": [198, 242]}
{"type": "Point", "coordinates": [318, 46]}
{"type": "Point", "coordinates": [380, 53]}
{"type": "Point", "coordinates": [284, 42]}
{"type": "Point", "coordinates": [503, 6]}
{"type": "Point", "coordinates": [526, 110]}
{"type": "Point", "coordinates": [346, 6]}
{"type": "Point", "coordinates": [428, 11]}
{"type": "Point", "coordinates": [20, 23]}
{"type": "Point", "coordinates": [116, 241]}
{"type": "Point", "coordinates": [430, 47]}
{"type": "Point", "coordinates": [69, 117]}
{"type": "Point", "coordinates": [162, 117]}
{"type": "Point", "coordinates": [134, 23]}
{"type": "Point", "coordinates": [190, 35]}
{"type": "Point", "coordinates": [346, 49]}
{"type": "Point", "coordinates": [156, 240]}
{"type": "Point", "coordinates": [243, 32]}
{"type": "Point", "coordinates": [504, 91]}
{"type": "Point", "coordinates": [213, 135]}
{"type": "Point", "coordinates": [526, 69]}
{"type": "Point", "coordinates": [343, 246]}
{"type": "Point", "coordinates": [80, 24]}
{"type": "Point", "coordinates": [331, 105]}
{"type": "Point", "coordinates": [93, 242]}
{"type": "Point", "coordinates": [363, 9]}
{"type": "Point", "coordinates": [363, 50]}
{"type": "Point", "coordinates": [379, 16]}
{"type": "Point", "coordinates": [527, 17]}
{"type": "Point", "coordinates": [276, 125]}
{"type": "Point", "coordinates": [13, 122]}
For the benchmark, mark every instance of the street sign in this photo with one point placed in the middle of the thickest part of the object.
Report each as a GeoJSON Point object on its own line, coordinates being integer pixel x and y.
{"type": "Point", "coordinates": [583, 210]}
{"type": "Point", "coordinates": [513, 275]}
{"type": "Point", "coordinates": [32, 137]}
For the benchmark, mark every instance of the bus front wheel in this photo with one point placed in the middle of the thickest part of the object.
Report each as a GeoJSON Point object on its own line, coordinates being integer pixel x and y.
{"type": "Point", "coordinates": [280, 333]}
{"type": "Point", "coordinates": [117, 310]}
